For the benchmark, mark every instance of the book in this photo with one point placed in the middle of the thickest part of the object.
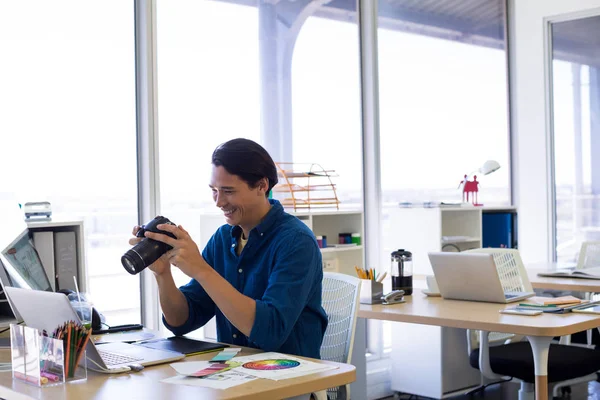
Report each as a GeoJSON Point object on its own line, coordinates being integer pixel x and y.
{"type": "Point", "coordinates": [558, 309]}
{"type": "Point", "coordinates": [44, 244]}
{"type": "Point", "coordinates": [539, 301]}
{"type": "Point", "coordinates": [65, 259]}
{"type": "Point", "coordinates": [588, 309]}
{"type": "Point", "coordinates": [586, 273]}
{"type": "Point", "coordinates": [182, 344]}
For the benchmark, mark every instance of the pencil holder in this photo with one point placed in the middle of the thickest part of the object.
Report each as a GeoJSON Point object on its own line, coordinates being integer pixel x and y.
{"type": "Point", "coordinates": [370, 291]}
{"type": "Point", "coordinates": [40, 360]}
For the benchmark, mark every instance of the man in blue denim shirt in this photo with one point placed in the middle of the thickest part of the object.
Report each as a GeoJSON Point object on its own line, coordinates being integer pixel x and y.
{"type": "Point", "coordinates": [260, 274]}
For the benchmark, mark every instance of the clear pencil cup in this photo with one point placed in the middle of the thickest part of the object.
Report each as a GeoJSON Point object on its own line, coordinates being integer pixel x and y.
{"type": "Point", "coordinates": [370, 291]}
{"type": "Point", "coordinates": [41, 361]}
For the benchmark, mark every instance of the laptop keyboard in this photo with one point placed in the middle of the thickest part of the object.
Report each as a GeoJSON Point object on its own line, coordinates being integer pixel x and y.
{"type": "Point", "coordinates": [116, 359]}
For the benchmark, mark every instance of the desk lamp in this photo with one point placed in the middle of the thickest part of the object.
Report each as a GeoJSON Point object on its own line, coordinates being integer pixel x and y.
{"type": "Point", "coordinates": [473, 186]}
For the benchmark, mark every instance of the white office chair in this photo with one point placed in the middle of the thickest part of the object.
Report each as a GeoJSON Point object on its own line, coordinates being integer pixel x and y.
{"type": "Point", "coordinates": [577, 364]}
{"type": "Point", "coordinates": [341, 295]}
{"type": "Point", "coordinates": [589, 257]}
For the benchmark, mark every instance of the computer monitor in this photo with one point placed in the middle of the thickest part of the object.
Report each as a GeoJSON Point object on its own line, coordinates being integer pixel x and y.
{"type": "Point", "coordinates": [22, 267]}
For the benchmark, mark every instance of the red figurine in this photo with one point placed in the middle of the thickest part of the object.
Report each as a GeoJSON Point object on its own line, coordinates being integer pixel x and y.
{"type": "Point", "coordinates": [470, 187]}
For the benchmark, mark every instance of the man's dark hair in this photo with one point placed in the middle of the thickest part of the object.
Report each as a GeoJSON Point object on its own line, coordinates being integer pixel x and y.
{"type": "Point", "coordinates": [246, 159]}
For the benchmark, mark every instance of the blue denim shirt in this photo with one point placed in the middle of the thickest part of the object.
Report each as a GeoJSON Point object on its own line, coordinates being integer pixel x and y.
{"type": "Point", "coordinates": [281, 268]}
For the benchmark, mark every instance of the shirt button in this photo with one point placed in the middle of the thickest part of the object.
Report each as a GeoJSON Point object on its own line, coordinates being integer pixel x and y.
{"type": "Point", "coordinates": [240, 270]}
{"type": "Point", "coordinates": [235, 336]}
{"type": "Point", "coordinates": [233, 245]}
{"type": "Point", "coordinates": [261, 234]}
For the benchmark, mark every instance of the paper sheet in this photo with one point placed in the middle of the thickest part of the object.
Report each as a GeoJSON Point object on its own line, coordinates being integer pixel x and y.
{"type": "Point", "coordinates": [224, 380]}
{"type": "Point", "coordinates": [277, 366]}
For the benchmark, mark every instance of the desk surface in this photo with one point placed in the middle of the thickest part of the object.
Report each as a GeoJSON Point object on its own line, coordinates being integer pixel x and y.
{"type": "Point", "coordinates": [146, 384]}
{"type": "Point", "coordinates": [579, 285]}
{"type": "Point", "coordinates": [420, 309]}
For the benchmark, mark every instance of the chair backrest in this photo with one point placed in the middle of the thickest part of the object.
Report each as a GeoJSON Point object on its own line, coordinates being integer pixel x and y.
{"type": "Point", "coordinates": [589, 255]}
{"type": "Point", "coordinates": [511, 270]}
{"type": "Point", "coordinates": [341, 295]}
{"type": "Point", "coordinates": [513, 277]}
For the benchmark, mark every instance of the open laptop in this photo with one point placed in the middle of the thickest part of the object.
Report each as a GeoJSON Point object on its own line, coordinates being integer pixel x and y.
{"type": "Point", "coordinates": [47, 310]}
{"type": "Point", "coordinates": [471, 276]}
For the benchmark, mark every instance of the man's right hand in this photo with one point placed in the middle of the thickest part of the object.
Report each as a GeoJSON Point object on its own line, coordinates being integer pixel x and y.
{"type": "Point", "coordinates": [159, 266]}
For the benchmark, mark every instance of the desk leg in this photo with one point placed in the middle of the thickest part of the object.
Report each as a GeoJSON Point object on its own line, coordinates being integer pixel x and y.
{"type": "Point", "coordinates": [540, 345]}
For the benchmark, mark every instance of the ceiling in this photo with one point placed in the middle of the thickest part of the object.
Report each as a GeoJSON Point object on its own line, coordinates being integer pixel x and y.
{"type": "Point", "coordinates": [478, 22]}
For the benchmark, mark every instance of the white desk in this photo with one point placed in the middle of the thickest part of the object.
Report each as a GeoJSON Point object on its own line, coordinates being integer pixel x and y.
{"type": "Point", "coordinates": [436, 311]}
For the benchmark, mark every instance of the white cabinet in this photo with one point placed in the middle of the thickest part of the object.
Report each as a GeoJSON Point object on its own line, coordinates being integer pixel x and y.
{"type": "Point", "coordinates": [55, 225]}
{"type": "Point", "coordinates": [67, 225]}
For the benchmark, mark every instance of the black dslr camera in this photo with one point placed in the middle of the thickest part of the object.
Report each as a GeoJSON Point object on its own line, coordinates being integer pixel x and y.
{"type": "Point", "coordinates": [148, 250]}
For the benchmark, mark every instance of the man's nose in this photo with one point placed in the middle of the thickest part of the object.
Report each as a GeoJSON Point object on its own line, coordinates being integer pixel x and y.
{"type": "Point", "coordinates": [219, 200]}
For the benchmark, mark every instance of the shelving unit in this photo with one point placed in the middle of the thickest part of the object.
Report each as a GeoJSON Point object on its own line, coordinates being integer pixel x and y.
{"type": "Point", "coordinates": [305, 186]}
{"type": "Point", "coordinates": [331, 224]}
{"type": "Point", "coordinates": [422, 230]}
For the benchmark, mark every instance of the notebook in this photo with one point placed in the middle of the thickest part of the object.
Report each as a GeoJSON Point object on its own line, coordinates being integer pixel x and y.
{"type": "Point", "coordinates": [182, 344]}
{"type": "Point", "coordinates": [585, 273]}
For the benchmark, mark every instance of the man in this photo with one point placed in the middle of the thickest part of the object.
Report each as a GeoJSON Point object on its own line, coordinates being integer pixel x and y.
{"type": "Point", "coordinates": [260, 274]}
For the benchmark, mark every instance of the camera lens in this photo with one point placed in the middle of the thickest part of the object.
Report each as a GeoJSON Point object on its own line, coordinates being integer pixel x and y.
{"type": "Point", "coordinates": [129, 262]}
{"type": "Point", "coordinates": [143, 254]}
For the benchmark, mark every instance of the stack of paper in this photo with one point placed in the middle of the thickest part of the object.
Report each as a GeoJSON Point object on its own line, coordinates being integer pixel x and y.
{"type": "Point", "coordinates": [275, 366]}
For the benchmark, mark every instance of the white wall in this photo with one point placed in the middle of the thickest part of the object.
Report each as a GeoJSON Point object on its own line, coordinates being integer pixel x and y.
{"type": "Point", "coordinates": [531, 181]}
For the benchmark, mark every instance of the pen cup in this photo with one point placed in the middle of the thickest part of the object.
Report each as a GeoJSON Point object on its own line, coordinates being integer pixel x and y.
{"type": "Point", "coordinates": [40, 360]}
{"type": "Point", "coordinates": [370, 291]}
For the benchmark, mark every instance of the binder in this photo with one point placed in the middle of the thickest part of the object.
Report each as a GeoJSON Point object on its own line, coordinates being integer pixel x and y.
{"type": "Point", "coordinates": [65, 257]}
{"type": "Point", "coordinates": [44, 244]}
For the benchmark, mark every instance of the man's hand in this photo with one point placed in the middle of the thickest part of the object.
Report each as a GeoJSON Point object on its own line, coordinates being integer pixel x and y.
{"type": "Point", "coordinates": [184, 254]}
{"type": "Point", "coordinates": [159, 266]}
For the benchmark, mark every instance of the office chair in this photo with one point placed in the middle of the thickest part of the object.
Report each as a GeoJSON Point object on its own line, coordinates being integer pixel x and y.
{"type": "Point", "coordinates": [512, 358]}
{"type": "Point", "coordinates": [341, 295]}
{"type": "Point", "coordinates": [589, 257]}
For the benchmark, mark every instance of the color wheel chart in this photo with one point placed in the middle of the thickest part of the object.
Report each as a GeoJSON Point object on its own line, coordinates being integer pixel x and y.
{"type": "Point", "coordinates": [271, 365]}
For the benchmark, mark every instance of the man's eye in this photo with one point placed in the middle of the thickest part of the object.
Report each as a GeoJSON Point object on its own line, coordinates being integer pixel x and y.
{"type": "Point", "coordinates": [228, 192]}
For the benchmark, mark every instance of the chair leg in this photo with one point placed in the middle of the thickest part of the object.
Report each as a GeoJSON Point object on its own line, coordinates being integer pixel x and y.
{"type": "Point", "coordinates": [527, 391]}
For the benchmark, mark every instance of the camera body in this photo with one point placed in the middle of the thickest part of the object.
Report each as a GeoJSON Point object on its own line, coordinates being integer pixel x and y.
{"type": "Point", "coordinates": [147, 250]}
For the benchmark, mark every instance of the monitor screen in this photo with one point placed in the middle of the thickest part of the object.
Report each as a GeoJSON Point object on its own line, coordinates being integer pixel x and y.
{"type": "Point", "coordinates": [22, 265]}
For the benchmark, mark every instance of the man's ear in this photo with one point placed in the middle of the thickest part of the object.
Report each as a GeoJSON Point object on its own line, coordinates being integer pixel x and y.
{"type": "Point", "coordinates": [263, 186]}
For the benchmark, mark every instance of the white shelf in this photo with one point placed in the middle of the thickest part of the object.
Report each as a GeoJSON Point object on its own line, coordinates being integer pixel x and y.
{"type": "Point", "coordinates": [461, 240]}
{"type": "Point", "coordinates": [337, 249]}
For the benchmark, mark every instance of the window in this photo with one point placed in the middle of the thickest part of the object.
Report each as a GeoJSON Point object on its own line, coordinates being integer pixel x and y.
{"type": "Point", "coordinates": [208, 62]}
{"type": "Point", "coordinates": [229, 70]}
{"type": "Point", "coordinates": [576, 106]}
{"type": "Point", "coordinates": [68, 124]}
{"type": "Point", "coordinates": [443, 111]}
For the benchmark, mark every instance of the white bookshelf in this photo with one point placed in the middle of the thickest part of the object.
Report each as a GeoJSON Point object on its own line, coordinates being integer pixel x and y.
{"type": "Point", "coordinates": [331, 223]}
{"type": "Point", "coordinates": [422, 230]}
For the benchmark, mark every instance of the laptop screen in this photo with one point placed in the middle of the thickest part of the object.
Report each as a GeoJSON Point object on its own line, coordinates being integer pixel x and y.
{"type": "Point", "coordinates": [22, 267]}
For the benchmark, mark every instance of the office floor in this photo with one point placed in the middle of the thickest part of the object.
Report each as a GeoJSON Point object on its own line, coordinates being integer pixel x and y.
{"type": "Point", "coordinates": [508, 391]}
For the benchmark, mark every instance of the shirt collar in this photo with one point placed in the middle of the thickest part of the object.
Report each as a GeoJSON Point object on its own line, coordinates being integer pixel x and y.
{"type": "Point", "coordinates": [267, 223]}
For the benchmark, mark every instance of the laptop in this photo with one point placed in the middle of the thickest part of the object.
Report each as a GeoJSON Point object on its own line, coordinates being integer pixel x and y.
{"type": "Point", "coordinates": [47, 310]}
{"type": "Point", "coordinates": [471, 276]}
